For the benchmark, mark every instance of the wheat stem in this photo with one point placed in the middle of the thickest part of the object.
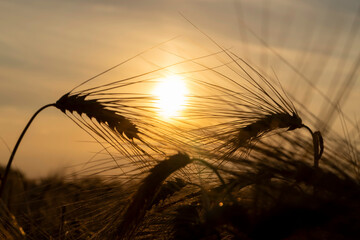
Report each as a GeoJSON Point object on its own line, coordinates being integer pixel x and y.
{"type": "Point", "coordinates": [318, 145]}
{"type": "Point", "coordinates": [7, 170]}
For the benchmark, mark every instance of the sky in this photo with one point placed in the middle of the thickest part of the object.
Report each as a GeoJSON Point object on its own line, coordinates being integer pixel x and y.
{"type": "Point", "coordinates": [47, 47]}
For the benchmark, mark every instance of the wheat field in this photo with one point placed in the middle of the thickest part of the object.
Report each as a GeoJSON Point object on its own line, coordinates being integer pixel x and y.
{"type": "Point", "coordinates": [202, 135]}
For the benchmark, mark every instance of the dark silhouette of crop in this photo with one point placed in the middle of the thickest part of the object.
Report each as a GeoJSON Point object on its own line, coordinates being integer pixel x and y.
{"type": "Point", "coordinates": [236, 165]}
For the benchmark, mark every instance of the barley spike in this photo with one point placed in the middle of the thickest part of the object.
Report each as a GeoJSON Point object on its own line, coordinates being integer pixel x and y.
{"type": "Point", "coordinates": [96, 110]}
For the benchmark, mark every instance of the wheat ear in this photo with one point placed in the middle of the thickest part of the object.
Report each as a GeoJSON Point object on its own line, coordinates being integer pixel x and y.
{"type": "Point", "coordinates": [272, 122]}
{"type": "Point", "coordinates": [147, 193]}
{"type": "Point", "coordinates": [251, 132]}
{"type": "Point", "coordinates": [93, 109]}
{"type": "Point", "coordinates": [266, 124]}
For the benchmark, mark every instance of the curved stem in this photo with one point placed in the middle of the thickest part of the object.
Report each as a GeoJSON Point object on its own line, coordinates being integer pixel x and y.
{"type": "Point", "coordinates": [7, 169]}
{"type": "Point", "coordinates": [318, 146]}
{"type": "Point", "coordinates": [309, 129]}
{"type": "Point", "coordinates": [315, 147]}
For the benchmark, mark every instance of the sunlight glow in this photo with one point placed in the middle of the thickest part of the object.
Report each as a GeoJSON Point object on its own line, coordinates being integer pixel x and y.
{"type": "Point", "coordinates": [171, 96]}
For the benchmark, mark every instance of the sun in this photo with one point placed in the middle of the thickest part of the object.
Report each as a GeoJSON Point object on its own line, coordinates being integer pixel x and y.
{"type": "Point", "coordinates": [171, 93]}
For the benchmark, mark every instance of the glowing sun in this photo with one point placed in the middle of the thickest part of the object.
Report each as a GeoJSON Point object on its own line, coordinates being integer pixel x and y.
{"type": "Point", "coordinates": [171, 95]}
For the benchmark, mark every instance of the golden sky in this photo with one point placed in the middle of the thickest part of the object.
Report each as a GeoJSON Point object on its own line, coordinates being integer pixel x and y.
{"type": "Point", "coordinates": [48, 47]}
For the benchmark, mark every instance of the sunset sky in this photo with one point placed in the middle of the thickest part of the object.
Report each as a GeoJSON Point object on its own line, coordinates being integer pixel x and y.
{"type": "Point", "coordinates": [48, 47]}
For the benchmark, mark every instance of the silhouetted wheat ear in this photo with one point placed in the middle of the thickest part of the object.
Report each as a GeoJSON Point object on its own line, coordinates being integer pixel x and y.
{"type": "Point", "coordinates": [265, 124]}
{"type": "Point", "coordinates": [147, 193]}
{"type": "Point", "coordinates": [96, 110]}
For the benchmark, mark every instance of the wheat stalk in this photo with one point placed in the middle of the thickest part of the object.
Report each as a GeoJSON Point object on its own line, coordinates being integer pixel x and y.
{"type": "Point", "coordinates": [110, 125]}
{"type": "Point", "coordinates": [263, 125]}
{"type": "Point", "coordinates": [8, 166]}
{"type": "Point", "coordinates": [256, 105]}
{"type": "Point", "coordinates": [101, 106]}
{"type": "Point", "coordinates": [251, 109]}
{"type": "Point", "coordinates": [101, 117]}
